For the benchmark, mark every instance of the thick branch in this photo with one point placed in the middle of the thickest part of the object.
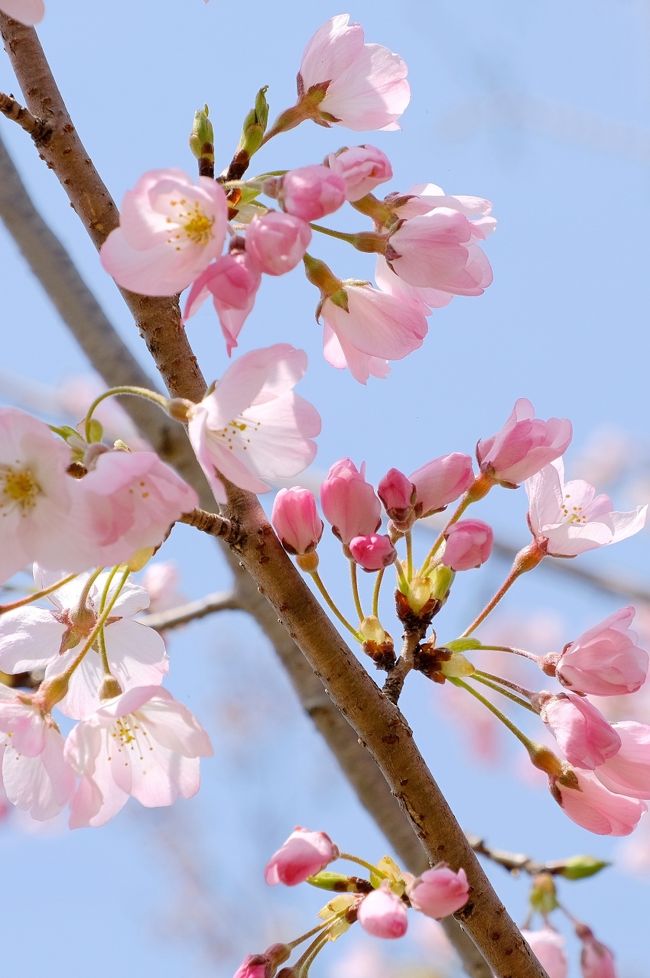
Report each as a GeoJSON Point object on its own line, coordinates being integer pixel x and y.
{"type": "Point", "coordinates": [378, 723]}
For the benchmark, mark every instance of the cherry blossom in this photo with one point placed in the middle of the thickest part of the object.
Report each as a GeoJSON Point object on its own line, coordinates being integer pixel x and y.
{"type": "Point", "coordinates": [161, 581]}
{"type": "Point", "coordinates": [583, 733]}
{"type": "Point", "coordinates": [440, 482]}
{"type": "Point", "coordinates": [349, 502]}
{"type": "Point", "coordinates": [568, 519]}
{"type": "Point", "coordinates": [596, 960]}
{"type": "Point", "coordinates": [28, 12]}
{"type": "Point", "coordinates": [372, 552]}
{"type": "Point", "coordinates": [365, 327]}
{"type": "Point", "coordinates": [143, 744]}
{"type": "Point", "coordinates": [628, 771]}
{"type": "Point", "coordinates": [605, 660]}
{"type": "Point", "coordinates": [362, 168]}
{"type": "Point", "coordinates": [383, 914]}
{"type": "Point", "coordinates": [591, 805]}
{"type": "Point", "coordinates": [427, 299]}
{"type": "Point", "coordinates": [311, 192]}
{"type": "Point", "coordinates": [252, 429]}
{"type": "Point", "coordinates": [303, 854]}
{"type": "Point", "coordinates": [523, 446]}
{"type": "Point", "coordinates": [170, 230]}
{"type": "Point", "coordinates": [277, 241]}
{"type": "Point", "coordinates": [341, 79]}
{"type": "Point", "coordinates": [549, 948]}
{"type": "Point", "coordinates": [439, 892]}
{"type": "Point", "coordinates": [468, 544]}
{"type": "Point", "coordinates": [397, 493]}
{"type": "Point", "coordinates": [296, 521]}
{"type": "Point", "coordinates": [232, 281]}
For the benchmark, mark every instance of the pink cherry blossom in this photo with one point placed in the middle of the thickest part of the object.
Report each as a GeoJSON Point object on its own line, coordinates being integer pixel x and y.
{"type": "Point", "coordinates": [549, 948]}
{"type": "Point", "coordinates": [311, 192]}
{"type": "Point", "coordinates": [569, 518]}
{"type": "Point", "coordinates": [596, 960]}
{"type": "Point", "coordinates": [372, 552]}
{"type": "Point", "coordinates": [426, 299]}
{"type": "Point", "coordinates": [364, 327]}
{"type": "Point", "coordinates": [50, 639]}
{"type": "Point", "coordinates": [143, 744]}
{"type": "Point", "coordinates": [131, 499]}
{"type": "Point", "coordinates": [40, 512]}
{"type": "Point", "coordinates": [397, 493]}
{"type": "Point", "coordinates": [362, 168]}
{"type": "Point", "coordinates": [349, 502]}
{"type": "Point", "coordinates": [34, 773]}
{"type": "Point", "coordinates": [383, 914]}
{"type": "Point", "coordinates": [441, 481]}
{"type": "Point", "coordinates": [361, 86]}
{"type": "Point", "coordinates": [232, 281]}
{"type": "Point", "coordinates": [439, 892]}
{"type": "Point", "coordinates": [252, 429]}
{"type": "Point", "coordinates": [28, 12]}
{"type": "Point", "coordinates": [424, 198]}
{"type": "Point", "coordinates": [628, 771]}
{"type": "Point", "coordinates": [592, 806]}
{"type": "Point", "coordinates": [468, 544]}
{"type": "Point", "coordinates": [582, 732]}
{"type": "Point", "coordinates": [296, 521]}
{"type": "Point", "coordinates": [524, 445]}
{"type": "Point", "coordinates": [253, 966]}
{"type": "Point", "coordinates": [161, 581]}
{"type": "Point", "coordinates": [605, 660]}
{"type": "Point", "coordinates": [277, 241]}
{"type": "Point", "coordinates": [303, 854]}
{"type": "Point", "coordinates": [170, 230]}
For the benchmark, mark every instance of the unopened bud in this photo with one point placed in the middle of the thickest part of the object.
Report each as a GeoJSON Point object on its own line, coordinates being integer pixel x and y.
{"type": "Point", "coordinates": [580, 867]}
{"type": "Point", "coordinates": [441, 579]}
{"type": "Point", "coordinates": [543, 895]}
{"type": "Point", "coordinates": [202, 132]}
{"type": "Point", "coordinates": [277, 954]}
{"type": "Point", "coordinates": [457, 667]}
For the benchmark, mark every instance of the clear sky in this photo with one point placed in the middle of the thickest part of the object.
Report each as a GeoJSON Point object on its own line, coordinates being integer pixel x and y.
{"type": "Point", "coordinates": [542, 108]}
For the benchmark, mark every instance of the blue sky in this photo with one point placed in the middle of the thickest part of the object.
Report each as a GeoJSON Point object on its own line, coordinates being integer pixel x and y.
{"type": "Point", "coordinates": [541, 108]}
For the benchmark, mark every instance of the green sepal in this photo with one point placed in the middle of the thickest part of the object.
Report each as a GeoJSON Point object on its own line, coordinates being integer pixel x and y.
{"type": "Point", "coordinates": [581, 867]}
{"type": "Point", "coordinates": [463, 645]}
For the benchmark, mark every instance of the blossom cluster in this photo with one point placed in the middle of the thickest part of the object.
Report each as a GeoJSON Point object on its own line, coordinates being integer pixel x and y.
{"type": "Point", "coordinates": [173, 230]}
{"type": "Point", "coordinates": [601, 775]}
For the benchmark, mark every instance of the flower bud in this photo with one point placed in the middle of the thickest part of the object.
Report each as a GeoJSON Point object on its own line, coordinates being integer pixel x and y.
{"type": "Point", "coordinates": [349, 502]}
{"type": "Point", "coordinates": [397, 493]}
{"type": "Point", "coordinates": [605, 660]}
{"type": "Point", "coordinates": [582, 732]}
{"type": "Point", "coordinates": [362, 168]}
{"type": "Point", "coordinates": [372, 552]}
{"type": "Point", "coordinates": [383, 914]}
{"type": "Point", "coordinates": [548, 947]}
{"type": "Point", "coordinates": [277, 241]}
{"type": "Point", "coordinates": [468, 545]}
{"type": "Point", "coordinates": [441, 481]}
{"type": "Point", "coordinates": [303, 854]}
{"type": "Point", "coordinates": [311, 192]}
{"type": "Point", "coordinates": [588, 803]}
{"type": "Point", "coordinates": [524, 445]}
{"type": "Point", "coordinates": [439, 892]}
{"type": "Point", "coordinates": [296, 521]}
{"type": "Point", "coordinates": [596, 960]}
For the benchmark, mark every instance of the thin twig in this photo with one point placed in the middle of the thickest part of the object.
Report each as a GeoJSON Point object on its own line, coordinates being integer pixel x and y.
{"type": "Point", "coordinates": [18, 113]}
{"type": "Point", "coordinates": [165, 621]}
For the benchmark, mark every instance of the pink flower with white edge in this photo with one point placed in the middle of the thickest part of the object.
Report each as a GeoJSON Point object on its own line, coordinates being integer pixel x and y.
{"type": "Point", "coordinates": [362, 168]}
{"type": "Point", "coordinates": [582, 732]}
{"type": "Point", "coordinates": [440, 482]}
{"type": "Point", "coordinates": [591, 805]}
{"type": "Point", "coordinates": [605, 660]}
{"type": "Point", "coordinates": [550, 950]}
{"type": "Point", "coordinates": [232, 281]}
{"type": "Point", "coordinates": [523, 446]}
{"type": "Point", "coordinates": [303, 854]}
{"type": "Point", "coordinates": [397, 493]}
{"type": "Point", "coordinates": [27, 12]}
{"type": "Point", "coordinates": [628, 772]}
{"type": "Point", "coordinates": [596, 960]}
{"type": "Point", "coordinates": [568, 519]}
{"type": "Point", "coordinates": [40, 512]}
{"type": "Point", "coordinates": [252, 429]}
{"type": "Point", "coordinates": [277, 241]}
{"type": "Point", "coordinates": [311, 192]}
{"type": "Point", "coordinates": [468, 544]}
{"type": "Point", "coordinates": [373, 552]}
{"type": "Point", "coordinates": [49, 640]}
{"type": "Point", "coordinates": [142, 744]}
{"type": "Point", "coordinates": [170, 230]}
{"type": "Point", "coordinates": [439, 892]}
{"type": "Point", "coordinates": [296, 521]}
{"type": "Point", "coordinates": [370, 327]}
{"type": "Point", "coordinates": [342, 80]}
{"type": "Point", "coordinates": [131, 499]}
{"type": "Point", "coordinates": [349, 502]}
{"type": "Point", "coordinates": [35, 776]}
{"type": "Point", "coordinates": [383, 914]}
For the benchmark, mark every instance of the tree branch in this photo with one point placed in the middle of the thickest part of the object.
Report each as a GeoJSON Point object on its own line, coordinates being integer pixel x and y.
{"type": "Point", "coordinates": [18, 113]}
{"type": "Point", "coordinates": [164, 621]}
{"type": "Point", "coordinates": [378, 723]}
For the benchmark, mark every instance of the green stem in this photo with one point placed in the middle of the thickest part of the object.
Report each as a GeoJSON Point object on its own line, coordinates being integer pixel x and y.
{"type": "Point", "coordinates": [362, 862]}
{"type": "Point", "coordinates": [132, 391]}
{"type": "Point", "coordinates": [302, 965]}
{"type": "Point", "coordinates": [332, 606]}
{"type": "Point", "coordinates": [404, 584]}
{"type": "Point", "coordinates": [375, 594]}
{"type": "Point", "coordinates": [331, 233]}
{"type": "Point", "coordinates": [525, 561]}
{"type": "Point", "coordinates": [480, 678]}
{"type": "Point", "coordinates": [35, 595]}
{"type": "Point", "coordinates": [355, 590]}
{"type": "Point", "coordinates": [101, 638]}
{"type": "Point", "coordinates": [515, 687]}
{"type": "Point", "coordinates": [508, 648]}
{"type": "Point", "coordinates": [512, 727]}
{"type": "Point", "coordinates": [409, 554]}
{"type": "Point", "coordinates": [310, 933]}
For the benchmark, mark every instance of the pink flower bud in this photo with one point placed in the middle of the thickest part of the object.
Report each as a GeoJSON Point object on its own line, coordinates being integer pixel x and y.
{"type": "Point", "coordinates": [439, 892]}
{"type": "Point", "coordinates": [628, 771]}
{"type": "Point", "coordinates": [362, 168]}
{"type": "Point", "coordinates": [397, 494]}
{"type": "Point", "coordinates": [277, 241]}
{"type": "Point", "coordinates": [303, 854]}
{"type": "Point", "coordinates": [441, 481]}
{"type": "Point", "coordinates": [383, 914]}
{"type": "Point", "coordinates": [549, 948]}
{"type": "Point", "coordinates": [468, 545]}
{"type": "Point", "coordinates": [583, 733]}
{"type": "Point", "coordinates": [605, 660]}
{"type": "Point", "coordinates": [311, 192]}
{"type": "Point", "coordinates": [592, 806]}
{"type": "Point", "coordinates": [253, 966]}
{"type": "Point", "coordinates": [296, 520]}
{"type": "Point", "coordinates": [596, 960]}
{"type": "Point", "coordinates": [349, 502]}
{"type": "Point", "coordinates": [372, 552]}
{"type": "Point", "coordinates": [524, 445]}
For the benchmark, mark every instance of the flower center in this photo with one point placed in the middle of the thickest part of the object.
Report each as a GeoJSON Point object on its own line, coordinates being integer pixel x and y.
{"type": "Point", "coordinates": [194, 223]}
{"type": "Point", "coordinates": [18, 488]}
{"type": "Point", "coordinates": [237, 432]}
{"type": "Point", "coordinates": [571, 513]}
{"type": "Point", "coordinates": [130, 736]}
